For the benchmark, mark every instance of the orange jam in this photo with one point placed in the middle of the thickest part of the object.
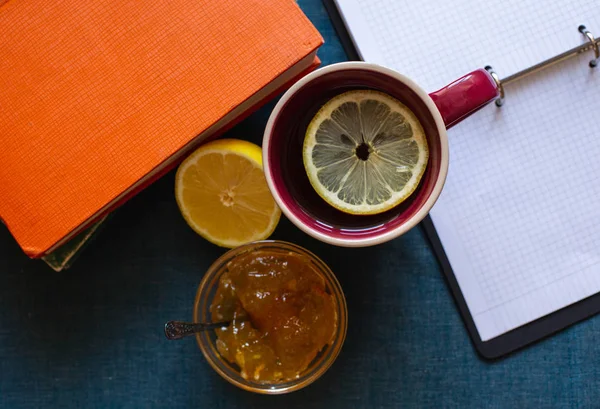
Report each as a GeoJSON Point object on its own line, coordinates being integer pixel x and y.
{"type": "Point", "coordinates": [280, 311]}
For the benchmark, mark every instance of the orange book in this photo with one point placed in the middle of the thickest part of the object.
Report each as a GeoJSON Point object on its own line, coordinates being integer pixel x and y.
{"type": "Point", "coordinates": [99, 98]}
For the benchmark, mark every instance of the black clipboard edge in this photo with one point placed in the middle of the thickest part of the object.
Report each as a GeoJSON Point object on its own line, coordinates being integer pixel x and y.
{"type": "Point", "coordinates": [518, 338]}
{"type": "Point", "coordinates": [340, 28]}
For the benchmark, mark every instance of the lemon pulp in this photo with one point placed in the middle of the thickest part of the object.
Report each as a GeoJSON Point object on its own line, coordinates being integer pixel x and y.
{"type": "Point", "coordinates": [365, 152]}
{"type": "Point", "coordinates": [223, 195]}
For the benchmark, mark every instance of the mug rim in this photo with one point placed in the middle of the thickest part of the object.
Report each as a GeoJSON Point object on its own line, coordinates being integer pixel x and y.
{"type": "Point", "coordinates": [379, 237]}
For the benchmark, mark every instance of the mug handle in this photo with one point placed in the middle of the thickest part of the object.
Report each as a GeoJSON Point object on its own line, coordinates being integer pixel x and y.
{"type": "Point", "coordinates": [466, 95]}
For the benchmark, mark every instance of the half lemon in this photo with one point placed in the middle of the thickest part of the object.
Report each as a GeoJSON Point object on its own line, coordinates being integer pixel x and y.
{"type": "Point", "coordinates": [223, 195]}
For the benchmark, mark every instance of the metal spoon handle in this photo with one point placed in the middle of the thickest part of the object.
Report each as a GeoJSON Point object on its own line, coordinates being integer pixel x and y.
{"type": "Point", "coordinates": [180, 329]}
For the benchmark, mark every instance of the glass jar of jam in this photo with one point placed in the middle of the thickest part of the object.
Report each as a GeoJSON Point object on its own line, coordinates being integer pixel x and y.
{"type": "Point", "coordinates": [285, 312]}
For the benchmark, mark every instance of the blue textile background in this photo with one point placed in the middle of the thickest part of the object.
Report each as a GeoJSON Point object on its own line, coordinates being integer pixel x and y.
{"type": "Point", "coordinates": [92, 337]}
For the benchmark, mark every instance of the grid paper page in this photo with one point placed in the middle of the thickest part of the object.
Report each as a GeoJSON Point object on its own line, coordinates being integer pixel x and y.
{"type": "Point", "coordinates": [519, 216]}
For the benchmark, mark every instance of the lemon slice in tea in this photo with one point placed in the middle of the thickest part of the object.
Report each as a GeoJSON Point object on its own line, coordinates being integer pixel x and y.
{"type": "Point", "coordinates": [365, 152]}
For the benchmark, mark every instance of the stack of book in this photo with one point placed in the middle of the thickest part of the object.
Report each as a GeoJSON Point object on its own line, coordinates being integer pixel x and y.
{"type": "Point", "coordinates": [99, 99]}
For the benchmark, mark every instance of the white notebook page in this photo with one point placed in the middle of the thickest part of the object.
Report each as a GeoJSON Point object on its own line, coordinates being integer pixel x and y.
{"type": "Point", "coordinates": [519, 216]}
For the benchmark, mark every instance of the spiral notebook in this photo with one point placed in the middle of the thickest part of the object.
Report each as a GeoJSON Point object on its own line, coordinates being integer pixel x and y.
{"type": "Point", "coordinates": [518, 222]}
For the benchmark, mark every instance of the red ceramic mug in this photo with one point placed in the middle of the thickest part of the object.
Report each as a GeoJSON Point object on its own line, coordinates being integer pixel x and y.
{"type": "Point", "coordinates": [284, 136]}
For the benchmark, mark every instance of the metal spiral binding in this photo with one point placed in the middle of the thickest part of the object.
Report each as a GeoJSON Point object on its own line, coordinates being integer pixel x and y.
{"type": "Point", "coordinates": [592, 44]}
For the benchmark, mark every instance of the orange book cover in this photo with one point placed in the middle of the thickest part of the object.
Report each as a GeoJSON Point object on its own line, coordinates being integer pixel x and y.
{"type": "Point", "coordinates": [97, 99]}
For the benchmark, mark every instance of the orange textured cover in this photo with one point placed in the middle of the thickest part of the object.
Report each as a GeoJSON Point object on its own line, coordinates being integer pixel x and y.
{"type": "Point", "coordinates": [96, 94]}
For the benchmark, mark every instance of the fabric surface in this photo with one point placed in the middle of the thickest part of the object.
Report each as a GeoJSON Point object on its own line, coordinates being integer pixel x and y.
{"type": "Point", "coordinates": [94, 95]}
{"type": "Point", "coordinates": [92, 337]}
